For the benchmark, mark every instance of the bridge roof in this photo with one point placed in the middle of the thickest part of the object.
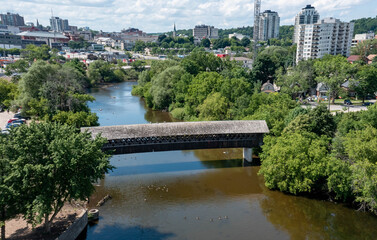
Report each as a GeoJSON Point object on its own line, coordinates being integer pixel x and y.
{"type": "Point", "coordinates": [179, 129]}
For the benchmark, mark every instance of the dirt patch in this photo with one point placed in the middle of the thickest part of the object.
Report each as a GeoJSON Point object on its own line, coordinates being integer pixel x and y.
{"type": "Point", "coordinates": [4, 117]}
{"type": "Point", "coordinates": [19, 229]}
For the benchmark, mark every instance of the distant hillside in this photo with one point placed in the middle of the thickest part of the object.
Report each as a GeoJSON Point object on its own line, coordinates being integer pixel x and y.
{"type": "Point", "coordinates": [286, 32]}
{"type": "Point", "coordinates": [365, 25]}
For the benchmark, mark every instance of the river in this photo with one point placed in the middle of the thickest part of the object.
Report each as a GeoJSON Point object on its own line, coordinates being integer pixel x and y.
{"type": "Point", "coordinates": [202, 194]}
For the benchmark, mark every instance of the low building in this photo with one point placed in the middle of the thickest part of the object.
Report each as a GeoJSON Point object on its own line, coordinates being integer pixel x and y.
{"type": "Point", "coordinates": [362, 37]}
{"type": "Point", "coordinates": [237, 35]}
{"type": "Point", "coordinates": [353, 58]}
{"type": "Point", "coordinates": [246, 62]}
{"type": "Point", "coordinates": [9, 29]}
{"type": "Point", "coordinates": [47, 37]}
{"type": "Point", "coordinates": [322, 91]}
{"type": "Point", "coordinates": [9, 41]}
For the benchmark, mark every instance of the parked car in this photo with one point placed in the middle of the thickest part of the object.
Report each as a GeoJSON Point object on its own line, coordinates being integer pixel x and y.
{"type": "Point", "coordinates": [5, 131]}
{"type": "Point", "coordinates": [368, 104]}
{"type": "Point", "coordinates": [22, 121]}
{"type": "Point", "coordinates": [12, 124]}
{"type": "Point", "coordinates": [347, 102]}
{"type": "Point", "coordinates": [20, 116]}
{"type": "Point", "coordinates": [16, 120]}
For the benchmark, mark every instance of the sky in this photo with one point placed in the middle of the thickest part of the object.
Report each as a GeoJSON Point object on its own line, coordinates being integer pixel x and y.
{"type": "Point", "coordinates": [157, 16]}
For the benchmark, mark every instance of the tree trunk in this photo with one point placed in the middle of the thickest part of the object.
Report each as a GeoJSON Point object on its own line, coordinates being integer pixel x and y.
{"type": "Point", "coordinates": [2, 224]}
{"type": "Point", "coordinates": [47, 224]}
{"type": "Point", "coordinates": [3, 231]}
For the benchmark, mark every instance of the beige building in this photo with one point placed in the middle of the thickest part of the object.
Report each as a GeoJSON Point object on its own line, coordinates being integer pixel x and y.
{"type": "Point", "coordinates": [328, 36]}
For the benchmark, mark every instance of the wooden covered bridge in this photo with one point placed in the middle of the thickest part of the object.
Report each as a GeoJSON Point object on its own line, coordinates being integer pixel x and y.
{"type": "Point", "coordinates": [156, 137]}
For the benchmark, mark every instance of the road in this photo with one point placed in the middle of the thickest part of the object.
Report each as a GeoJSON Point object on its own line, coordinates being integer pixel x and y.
{"type": "Point", "coordinates": [340, 108]}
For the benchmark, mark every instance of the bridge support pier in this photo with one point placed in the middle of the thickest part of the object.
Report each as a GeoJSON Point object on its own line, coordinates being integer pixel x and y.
{"type": "Point", "coordinates": [248, 154]}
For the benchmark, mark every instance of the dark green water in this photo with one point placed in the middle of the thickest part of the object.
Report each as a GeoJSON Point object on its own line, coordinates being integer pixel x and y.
{"type": "Point", "coordinates": [205, 194]}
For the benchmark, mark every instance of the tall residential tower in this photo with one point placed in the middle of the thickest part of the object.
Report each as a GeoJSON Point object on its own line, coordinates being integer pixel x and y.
{"type": "Point", "coordinates": [269, 24]}
{"type": "Point", "coordinates": [328, 36]}
{"type": "Point", "coordinates": [308, 15]}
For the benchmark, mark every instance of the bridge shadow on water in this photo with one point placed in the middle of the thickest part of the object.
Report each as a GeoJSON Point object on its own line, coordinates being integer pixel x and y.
{"type": "Point", "coordinates": [112, 232]}
{"type": "Point", "coordinates": [178, 167]}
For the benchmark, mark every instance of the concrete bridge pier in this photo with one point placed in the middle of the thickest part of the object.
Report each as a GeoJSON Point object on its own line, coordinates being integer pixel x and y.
{"type": "Point", "coordinates": [248, 155]}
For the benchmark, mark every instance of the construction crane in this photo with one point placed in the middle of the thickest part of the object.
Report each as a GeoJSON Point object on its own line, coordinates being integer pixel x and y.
{"type": "Point", "coordinates": [257, 5]}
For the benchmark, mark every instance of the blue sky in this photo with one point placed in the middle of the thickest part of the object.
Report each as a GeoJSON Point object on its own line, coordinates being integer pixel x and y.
{"type": "Point", "coordinates": [160, 15]}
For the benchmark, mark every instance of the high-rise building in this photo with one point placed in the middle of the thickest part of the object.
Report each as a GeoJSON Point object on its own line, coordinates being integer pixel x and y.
{"type": "Point", "coordinates": [269, 24]}
{"type": "Point", "coordinates": [12, 19]}
{"type": "Point", "coordinates": [59, 25]}
{"type": "Point", "coordinates": [328, 36]}
{"type": "Point", "coordinates": [204, 31]}
{"type": "Point", "coordinates": [308, 15]}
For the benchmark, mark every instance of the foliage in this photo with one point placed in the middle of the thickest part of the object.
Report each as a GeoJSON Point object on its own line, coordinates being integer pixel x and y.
{"type": "Point", "coordinates": [32, 53]}
{"type": "Point", "coordinates": [365, 25]}
{"type": "Point", "coordinates": [52, 164]}
{"type": "Point", "coordinates": [162, 89]}
{"type": "Point", "coordinates": [205, 43]}
{"type": "Point", "coordinates": [214, 107]}
{"type": "Point", "coordinates": [101, 72]}
{"type": "Point", "coordinates": [9, 204]}
{"type": "Point", "coordinates": [364, 184]}
{"type": "Point", "coordinates": [366, 81]}
{"type": "Point", "coordinates": [8, 92]}
{"type": "Point", "coordinates": [47, 89]}
{"type": "Point", "coordinates": [268, 62]}
{"type": "Point", "coordinates": [295, 163]}
{"type": "Point", "coordinates": [77, 119]}
{"type": "Point", "coordinates": [18, 67]}
{"type": "Point", "coordinates": [333, 71]}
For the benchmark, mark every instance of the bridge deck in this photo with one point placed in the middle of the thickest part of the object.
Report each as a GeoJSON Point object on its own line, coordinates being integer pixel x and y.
{"type": "Point", "coordinates": [179, 129]}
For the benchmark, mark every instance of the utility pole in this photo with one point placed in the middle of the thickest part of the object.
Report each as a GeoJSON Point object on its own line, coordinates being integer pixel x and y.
{"type": "Point", "coordinates": [257, 5]}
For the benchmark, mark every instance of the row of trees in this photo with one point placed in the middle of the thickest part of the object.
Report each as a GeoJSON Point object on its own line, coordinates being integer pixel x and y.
{"type": "Point", "coordinates": [333, 71]}
{"type": "Point", "coordinates": [322, 154]}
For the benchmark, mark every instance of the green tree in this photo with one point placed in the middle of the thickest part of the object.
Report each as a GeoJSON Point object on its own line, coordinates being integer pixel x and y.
{"type": "Point", "coordinates": [33, 53]}
{"type": "Point", "coordinates": [9, 201]}
{"type": "Point", "coordinates": [295, 162]}
{"type": "Point", "coordinates": [77, 119]}
{"type": "Point", "coordinates": [245, 41]}
{"type": "Point", "coordinates": [366, 81]}
{"type": "Point", "coordinates": [162, 89]}
{"type": "Point", "coordinates": [213, 108]}
{"type": "Point", "coordinates": [205, 43]}
{"type": "Point", "coordinates": [139, 46]}
{"type": "Point", "coordinates": [333, 71]}
{"type": "Point", "coordinates": [8, 92]}
{"type": "Point", "coordinates": [52, 164]}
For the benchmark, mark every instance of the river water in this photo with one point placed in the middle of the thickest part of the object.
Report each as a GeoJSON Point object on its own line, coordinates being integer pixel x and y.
{"type": "Point", "coordinates": [202, 194]}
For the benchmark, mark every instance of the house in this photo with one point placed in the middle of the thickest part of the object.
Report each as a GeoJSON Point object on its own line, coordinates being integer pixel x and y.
{"type": "Point", "coordinates": [353, 58]}
{"type": "Point", "coordinates": [246, 62]}
{"type": "Point", "coordinates": [370, 58]}
{"type": "Point", "coordinates": [322, 91]}
{"type": "Point", "coordinates": [347, 86]}
{"type": "Point", "coordinates": [269, 88]}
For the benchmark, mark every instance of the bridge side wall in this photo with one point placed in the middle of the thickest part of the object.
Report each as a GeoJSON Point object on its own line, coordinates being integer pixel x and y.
{"type": "Point", "coordinates": [127, 147]}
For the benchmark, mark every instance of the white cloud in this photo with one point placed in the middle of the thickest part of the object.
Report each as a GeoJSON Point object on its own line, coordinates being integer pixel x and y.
{"type": "Point", "coordinates": [159, 15]}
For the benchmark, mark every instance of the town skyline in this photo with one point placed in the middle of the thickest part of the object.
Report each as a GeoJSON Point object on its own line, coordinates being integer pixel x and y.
{"type": "Point", "coordinates": [159, 16]}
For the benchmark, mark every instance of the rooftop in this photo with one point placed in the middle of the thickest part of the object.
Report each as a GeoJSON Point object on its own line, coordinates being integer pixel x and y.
{"type": "Point", "coordinates": [179, 129]}
{"type": "Point", "coordinates": [42, 34]}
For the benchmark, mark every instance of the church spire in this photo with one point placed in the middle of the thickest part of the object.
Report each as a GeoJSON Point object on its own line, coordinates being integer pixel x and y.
{"type": "Point", "coordinates": [175, 31]}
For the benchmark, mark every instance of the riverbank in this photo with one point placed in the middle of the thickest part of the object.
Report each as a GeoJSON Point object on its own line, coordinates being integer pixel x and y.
{"type": "Point", "coordinates": [18, 228]}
